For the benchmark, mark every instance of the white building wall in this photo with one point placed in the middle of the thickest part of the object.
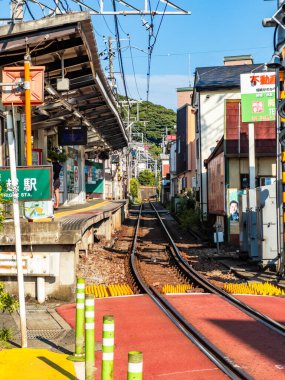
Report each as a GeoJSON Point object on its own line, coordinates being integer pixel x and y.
{"type": "Point", "coordinates": [212, 123]}
{"type": "Point", "coordinates": [172, 168]}
{"type": "Point", "coordinates": [172, 158]}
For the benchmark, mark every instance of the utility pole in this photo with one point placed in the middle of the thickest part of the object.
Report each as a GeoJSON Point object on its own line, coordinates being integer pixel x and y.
{"type": "Point", "coordinates": [278, 63]}
{"type": "Point", "coordinates": [111, 64]}
{"type": "Point", "coordinates": [16, 10]}
{"type": "Point", "coordinates": [17, 226]}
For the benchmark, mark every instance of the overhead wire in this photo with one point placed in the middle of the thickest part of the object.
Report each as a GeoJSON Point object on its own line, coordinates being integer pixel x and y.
{"type": "Point", "coordinates": [121, 65]}
{"type": "Point", "coordinates": [151, 45]}
{"type": "Point", "coordinates": [29, 10]}
{"type": "Point", "coordinates": [134, 72]}
{"type": "Point", "coordinates": [106, 22]}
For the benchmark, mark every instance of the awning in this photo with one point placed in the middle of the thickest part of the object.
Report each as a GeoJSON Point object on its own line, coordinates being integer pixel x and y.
{"type": "Point", "coordinates": [89, 99]}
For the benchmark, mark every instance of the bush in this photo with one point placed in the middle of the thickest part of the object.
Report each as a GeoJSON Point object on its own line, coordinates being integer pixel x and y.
{"type": "Point", "coordinates": [5, 334]}
{"type": "Point", "coordinates": [7, 302]}
{"type": "Point", "coordinates": [134, 189]}
{"type": "Point", "coordinates": [188, 213]}
{"type": "Point", "coordinates": [146, 178]}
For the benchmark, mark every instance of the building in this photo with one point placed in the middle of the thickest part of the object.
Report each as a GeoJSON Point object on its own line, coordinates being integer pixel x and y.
{"type": "Point", "coordinates": [185, 146]}
{"type": "Point", "coordinates": [214, 88]}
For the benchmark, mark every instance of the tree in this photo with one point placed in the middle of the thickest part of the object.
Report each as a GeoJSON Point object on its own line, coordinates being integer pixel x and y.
{"type": "Point", "coordinates": [146, 178]}
{"type": "Point", "coordinates": [134, 188]}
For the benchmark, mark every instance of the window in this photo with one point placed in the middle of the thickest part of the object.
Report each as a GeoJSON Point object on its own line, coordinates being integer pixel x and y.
{"type": "Point", "coordinates": [264, 181]}
{"type": "Point", "coordinates": [244, 181]}
{"type": "Point", "coordinates": [178, 145]}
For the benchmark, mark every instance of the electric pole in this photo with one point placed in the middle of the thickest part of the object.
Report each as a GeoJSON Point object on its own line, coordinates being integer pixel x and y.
{"type": "Point", "coordinates": [111, 64]}
{"type": "Point", "coordinates": [277, 62]}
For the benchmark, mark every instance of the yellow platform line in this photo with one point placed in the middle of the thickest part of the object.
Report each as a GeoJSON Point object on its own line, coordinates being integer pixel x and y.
{"type": "Point", "coordinates": [35, 364]}
{"type": "Point", "coordinates": [70, 212]}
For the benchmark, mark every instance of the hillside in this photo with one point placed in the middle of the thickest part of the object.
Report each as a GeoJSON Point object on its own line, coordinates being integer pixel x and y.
{"type": "Point", "coordinates": [154, 119]}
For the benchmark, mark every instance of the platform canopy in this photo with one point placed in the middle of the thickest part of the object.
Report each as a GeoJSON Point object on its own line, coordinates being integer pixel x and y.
{"type": "Point", "coordinates": [66, 46]}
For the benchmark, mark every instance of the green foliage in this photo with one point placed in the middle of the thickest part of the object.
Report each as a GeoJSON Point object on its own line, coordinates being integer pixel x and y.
{"type": "Point", "coordinates": [3, 204]}
{"type": "Point", "coordinates": [7, 302]}
{"type": "Point", "coordinates": [55, 153]}
{"type": "Point", "coordinates": [155, 151]}
{"type": "Point", "coordinates": [157, 119]}
{"type": "Point", "coordinates": [188, 213]}
{"type": "Point", "coordinates": [146, 178]}
{"type": "Point", "coordinates": [134, 188]}
{"type": "Point", "coordinates": [5, 334]}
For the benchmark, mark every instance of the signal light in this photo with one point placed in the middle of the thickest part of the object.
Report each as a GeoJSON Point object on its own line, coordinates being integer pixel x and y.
{"type": "Point", "coordinates": [281, 108]}
{"type": "Point", "coordinates": [279, 16]}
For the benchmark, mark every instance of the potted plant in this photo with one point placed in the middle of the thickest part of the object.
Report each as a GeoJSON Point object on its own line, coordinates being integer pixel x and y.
{"type": "Point", "coordinates": [57, 153]}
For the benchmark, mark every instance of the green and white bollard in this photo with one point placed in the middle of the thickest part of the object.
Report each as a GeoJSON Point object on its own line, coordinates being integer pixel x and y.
{"type": "Point", "coordinates": [79, 323]}
{"type": "Point", "coordinates": [89, 337]}
{"type": "Point", "coordinates": [107, 371]}
{"type": "Point", "coordinates": [135, 365]}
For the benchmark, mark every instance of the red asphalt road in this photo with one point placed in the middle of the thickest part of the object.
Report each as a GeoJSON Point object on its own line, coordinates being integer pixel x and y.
{"type": "Point", "coordinates": [141, 326]}
{"type": "Point", "coordinates": [167, 353]}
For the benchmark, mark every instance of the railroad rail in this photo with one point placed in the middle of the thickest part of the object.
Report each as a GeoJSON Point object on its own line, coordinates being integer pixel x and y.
{"type": "Point", "coordinates": [232, 370]}
{"type": "Point", "coordinates": [211, 288]}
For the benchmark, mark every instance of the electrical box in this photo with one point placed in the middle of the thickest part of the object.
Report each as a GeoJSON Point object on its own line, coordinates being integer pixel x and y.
{"type": "Point", "coordinates": [251, 224]}
{"type": "Point", "coordinates": [267, 225]}
{"type": "Point", "coordinates": [38, 265]}
{"type": "Point", "coordinates": [62, 84]}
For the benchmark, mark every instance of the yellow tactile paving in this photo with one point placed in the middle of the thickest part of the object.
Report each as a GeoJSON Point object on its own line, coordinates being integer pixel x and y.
{"type": "Point", "coordinates": [70, 212]}
{"type": "Point", "coordinates": [35, 364]}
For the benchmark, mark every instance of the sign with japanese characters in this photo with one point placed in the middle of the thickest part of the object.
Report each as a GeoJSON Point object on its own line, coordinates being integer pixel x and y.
{"type": "Point", "coordinates": [33, 183]}
{"type": "Point", "coordinates": [258, 97]}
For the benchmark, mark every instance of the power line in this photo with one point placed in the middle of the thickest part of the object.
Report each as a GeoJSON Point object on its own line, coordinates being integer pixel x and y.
{"type": "Point", "coordinates": [119, 51]}
{"type": "Point", "coordinates": [133, 66]}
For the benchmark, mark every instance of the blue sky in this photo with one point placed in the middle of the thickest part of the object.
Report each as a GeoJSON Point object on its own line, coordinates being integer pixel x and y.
{"type": "Point", "coordinates": [213, 30]}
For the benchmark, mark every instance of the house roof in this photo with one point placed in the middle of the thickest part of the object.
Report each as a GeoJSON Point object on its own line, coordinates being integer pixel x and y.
{"type": "Point", "coordinates": [89, 99]}
{"type": "Point", "coordinates": [220, 77]}
{"type": "Point", "coordinates": [219, 148]}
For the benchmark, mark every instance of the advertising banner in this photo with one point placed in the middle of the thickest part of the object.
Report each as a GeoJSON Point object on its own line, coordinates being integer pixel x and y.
{"type": "Point", "coordinates": [94, 177]}
{"type": "Point", "coordinates": [257, 97]}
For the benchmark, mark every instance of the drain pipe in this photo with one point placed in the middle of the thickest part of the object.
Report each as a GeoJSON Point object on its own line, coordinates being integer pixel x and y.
{"type": "Point", "coordinates": [41, 294]}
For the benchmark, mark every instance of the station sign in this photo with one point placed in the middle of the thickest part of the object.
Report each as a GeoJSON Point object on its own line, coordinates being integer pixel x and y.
{"type": "Point", "coordinates": [258, 97]}
{"type": "Point", "coordinates": [33, 183]}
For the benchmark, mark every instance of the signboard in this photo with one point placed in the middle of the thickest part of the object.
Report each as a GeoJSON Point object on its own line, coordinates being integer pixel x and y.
{"type": "Point", "coordinates": [257, 97]}
{"type": "Point", "coordinates": [33, 264]}
{"type": "Point", "coordinates": [33, 183]}
{"type": "Point", "coordinates": [94, 175]}
{"type": "Point", "coordinates": [15, 95]}
{"type": "Point", "coordinates": [38, 210]}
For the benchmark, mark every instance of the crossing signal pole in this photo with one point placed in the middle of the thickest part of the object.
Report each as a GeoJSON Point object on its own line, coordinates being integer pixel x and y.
{"type": "Point", "coordinates": [278, 63]}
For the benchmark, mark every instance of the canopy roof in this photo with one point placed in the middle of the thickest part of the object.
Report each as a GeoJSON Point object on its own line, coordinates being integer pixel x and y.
{"type": "Point", "coordinates": [89, 100]}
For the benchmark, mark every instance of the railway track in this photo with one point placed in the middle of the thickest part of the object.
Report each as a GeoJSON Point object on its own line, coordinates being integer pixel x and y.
{"type": "Point", "coordinates": [158, 247]}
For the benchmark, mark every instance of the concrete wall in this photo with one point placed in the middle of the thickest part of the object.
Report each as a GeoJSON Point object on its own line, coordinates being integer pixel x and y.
{"type": "Point", "coordinates": [63, 259]}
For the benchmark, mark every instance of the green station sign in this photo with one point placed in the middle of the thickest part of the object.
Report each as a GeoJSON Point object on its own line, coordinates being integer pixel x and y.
{"type": "Point", "coordinates": [33, 183]}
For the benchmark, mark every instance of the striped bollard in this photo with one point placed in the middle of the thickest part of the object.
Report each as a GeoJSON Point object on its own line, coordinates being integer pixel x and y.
{"type": "Point", "coordinates": [89, 337]}
{"type": "Point", "coordinates": [135, 365]}
{"type": "Point", "coordinates": [79, 323]}
{"type": "Point", "coordinates": [107, 372]}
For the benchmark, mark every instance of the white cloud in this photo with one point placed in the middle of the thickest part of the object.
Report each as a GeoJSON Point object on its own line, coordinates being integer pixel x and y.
{"type": "Point", "coordinates": [162, 89]}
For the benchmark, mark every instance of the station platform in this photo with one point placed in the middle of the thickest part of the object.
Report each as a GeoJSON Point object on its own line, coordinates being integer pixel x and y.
{"type": "Point", "coordinates": [56, 230]}
{"type": "Point", "coordinates": [51, 248]}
